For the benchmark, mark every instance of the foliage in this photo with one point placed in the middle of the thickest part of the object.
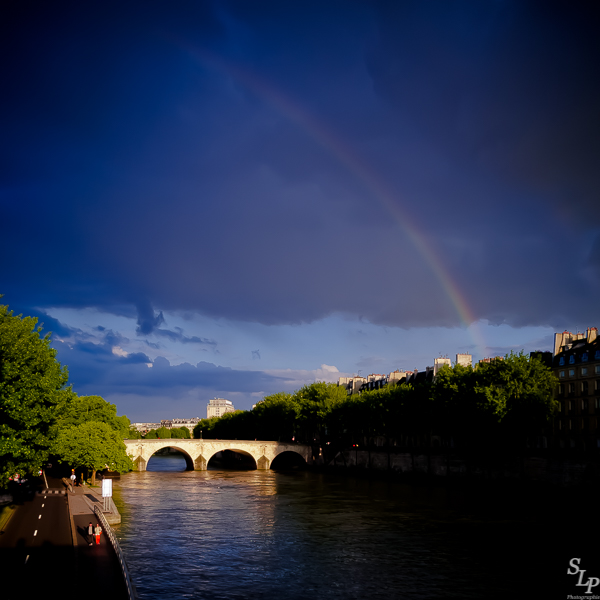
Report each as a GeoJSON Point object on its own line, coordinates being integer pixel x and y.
{"type": "Point", "coordinates": [182, 433]}
{"type": "Point", "coordinates": [32, 386]}
{"type": "Point", "coordinates": [232, 425]}
{"type": "Point", "coordinates": [161, 433]}
{"type": "Point", "coordinates": [81, 409]}
{"type": "Point", "coordinates": [501, 401]}
{"type": "Point", "coordinates": [133, 434]}
{"type": "Point", "coordinates": [94, 445]}
{"type": "Point", "coordinates": [494, 405]}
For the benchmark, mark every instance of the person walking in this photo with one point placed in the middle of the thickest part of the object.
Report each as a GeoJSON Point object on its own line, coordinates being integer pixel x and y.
{"type": "Point", "coordinates": [73, 479]}
{"type": "Point", "coordinates": [98, 531]}
{"type": "Point", "coordinates": [90, 533]}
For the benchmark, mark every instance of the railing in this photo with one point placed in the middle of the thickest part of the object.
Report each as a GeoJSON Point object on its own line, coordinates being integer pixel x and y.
{"type": "Point", "coordinates": [115, 544]}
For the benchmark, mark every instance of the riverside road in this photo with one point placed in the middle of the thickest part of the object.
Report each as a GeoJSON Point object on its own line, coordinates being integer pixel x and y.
{"type": "Point", "coordinates": [44, 548]}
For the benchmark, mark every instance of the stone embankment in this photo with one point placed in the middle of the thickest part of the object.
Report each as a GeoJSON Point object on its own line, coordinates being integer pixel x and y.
{"type": "Point", "coordinates": [554, 471]}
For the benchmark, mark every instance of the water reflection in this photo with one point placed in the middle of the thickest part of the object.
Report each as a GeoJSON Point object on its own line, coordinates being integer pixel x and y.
{"type": "Point", "coordinates": [262, 534]}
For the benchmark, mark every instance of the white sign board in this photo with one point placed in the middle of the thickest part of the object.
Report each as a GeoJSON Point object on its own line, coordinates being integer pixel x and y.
{"type": "Point", "coordinates": [106, 488]}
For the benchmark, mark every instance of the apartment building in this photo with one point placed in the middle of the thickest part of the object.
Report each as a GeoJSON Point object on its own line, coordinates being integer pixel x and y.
{"type": "Point", "coordinates": [576, 363]}
{"type": "Point", "coordinates": [217, 407]}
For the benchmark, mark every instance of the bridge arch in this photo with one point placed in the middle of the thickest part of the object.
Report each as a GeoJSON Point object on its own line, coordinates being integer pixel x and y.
{"type": "Point", "coordinates": [288, 459]}
{"type": "Point", "coordinates": [189, 461]}
{"type": "Point", "coordinates": [249, 458]}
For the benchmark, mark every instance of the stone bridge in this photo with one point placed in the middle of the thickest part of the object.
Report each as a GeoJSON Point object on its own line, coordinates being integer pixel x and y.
{"type": "Point", "coordinates": [197, 453]}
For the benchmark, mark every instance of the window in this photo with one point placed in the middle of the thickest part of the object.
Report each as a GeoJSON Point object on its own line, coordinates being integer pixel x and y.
{"type": "Point", "coordinates": [584, 370]}
{"type": "Point", "coordinates": [561, 389]}
{"type": "Point", "coordinates": [584, 357]}
{"type": "Point", "coordinates": [572, 359]}
{"type": "Point", "coordinates": [585, 406]}
{"type": "Point", "coordinates": [571, 388]}
{"type": "Point", "coordinates": [584, 387]}
{"type": "Point", "coordinates": [562, 373]}
{"type": "Point", "coordinates": [570, 406]}
{"type": "Point", "coordinates": [597, 369]}
{"type": "Point", "coordinates": [561, 362]}
{"type": "Point", "coordinates": [597, 354]}
{"type": "Point", "coordinates": [571, 372]}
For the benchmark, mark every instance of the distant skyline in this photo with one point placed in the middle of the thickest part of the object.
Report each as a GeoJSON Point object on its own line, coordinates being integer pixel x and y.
{"type": "Point", "coordinates": [231, 199]}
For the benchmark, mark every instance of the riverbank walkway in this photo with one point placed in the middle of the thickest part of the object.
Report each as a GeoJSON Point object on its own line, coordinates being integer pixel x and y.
{"type": "Point", "coordinates": [45, 546]}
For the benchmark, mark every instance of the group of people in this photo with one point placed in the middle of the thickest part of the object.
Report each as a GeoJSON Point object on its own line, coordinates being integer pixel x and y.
{"type": "Point", "coordinates": [94, 532]}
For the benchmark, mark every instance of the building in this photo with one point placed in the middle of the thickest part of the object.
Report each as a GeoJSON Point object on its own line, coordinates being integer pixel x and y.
{"type": "Point", "coordinates": [217, 407]}
{"type": "Point", "coordinates": [144, 428]}
{"type": "Point", "coordinates": [189, 423]}
{"type": "Point", "coordinates": [438, 363]}
{"type": "Point", "coordinates": [576, 363]}
{"type": "Point", "coordinates": [464, 360]}
{"type": "Point", "coordinates": [352, 384]}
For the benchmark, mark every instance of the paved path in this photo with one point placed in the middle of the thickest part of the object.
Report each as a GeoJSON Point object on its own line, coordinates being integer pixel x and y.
{"type": "Point", "coordinates": [44, 548]}
{"type": "Point", "coordinates": [36, 549]}
{"type": "Point", "coordinates": [98, 566]}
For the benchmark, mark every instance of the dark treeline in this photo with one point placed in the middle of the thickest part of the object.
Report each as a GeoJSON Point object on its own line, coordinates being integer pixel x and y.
{"type": "Point", "coordinates": [501, 404]}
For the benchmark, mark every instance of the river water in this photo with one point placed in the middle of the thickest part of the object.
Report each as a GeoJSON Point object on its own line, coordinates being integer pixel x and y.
{"type": "Point", "coordinates": [221, 534]}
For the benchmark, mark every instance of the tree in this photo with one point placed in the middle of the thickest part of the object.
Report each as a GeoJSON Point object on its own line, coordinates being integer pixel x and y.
{"type": "Point", "coordinates": [520, 391]}
{"type": "Point", "coordinates": [181, 433]}
{"type": "Point", "coordinates": [80, 409]}
{"type": "Point", "coordinates": [134, 434]}
{"type": "Point", "coordinates": [93, 445]}
{"type": "Point", "coordinates": [275, 417]}
{"type": "Point", "coordinates": [32, 385]}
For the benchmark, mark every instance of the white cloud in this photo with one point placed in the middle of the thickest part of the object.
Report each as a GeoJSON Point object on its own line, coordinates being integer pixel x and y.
{"type": "Point", "coordinates": [298, 378]}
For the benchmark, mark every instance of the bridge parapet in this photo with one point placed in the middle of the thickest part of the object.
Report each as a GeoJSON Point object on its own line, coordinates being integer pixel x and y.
{"type": "Point", "coordinates": [197, 453]}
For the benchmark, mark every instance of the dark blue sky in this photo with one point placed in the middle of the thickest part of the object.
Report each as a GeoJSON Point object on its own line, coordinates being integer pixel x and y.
{"type": "Point", "coordinates": [248, 196]}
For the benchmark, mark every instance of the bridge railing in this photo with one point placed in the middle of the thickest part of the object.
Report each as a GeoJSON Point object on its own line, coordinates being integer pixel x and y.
{"type": "Point", "coordinates": [131, 593]}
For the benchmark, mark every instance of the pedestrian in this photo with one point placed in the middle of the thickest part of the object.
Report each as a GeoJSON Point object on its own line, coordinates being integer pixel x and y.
{"type": "Point", "coordinates": [73, 479]}
{"type": "Point", "coordinates": [98, 531]}
{"type": "Point", "coordinates": [90, 533]}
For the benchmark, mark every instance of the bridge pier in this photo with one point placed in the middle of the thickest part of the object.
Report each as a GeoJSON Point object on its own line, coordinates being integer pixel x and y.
{"type": "Point", "coordinates": [200, 464]}
{"type": "Point", "coordinates": [139, 464]}
{"type": "Point", "coordinates": [263, 463]}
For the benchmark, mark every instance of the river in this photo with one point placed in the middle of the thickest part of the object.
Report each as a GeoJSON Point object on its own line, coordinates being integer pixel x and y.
{"type": "Point", "coordinates": [221, 534]}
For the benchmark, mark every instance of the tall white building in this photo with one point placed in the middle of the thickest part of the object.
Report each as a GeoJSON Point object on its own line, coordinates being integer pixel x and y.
{"type": "Point", "coordinates": [466, 360]}
{"type": "Point", "coordinates": [438, 363]}
{"type": "Point", "coordinates": [217, 407]}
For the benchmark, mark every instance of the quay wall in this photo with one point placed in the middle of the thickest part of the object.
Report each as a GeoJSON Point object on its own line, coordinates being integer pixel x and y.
{"type": "Point", "coordinates": [555, 471]}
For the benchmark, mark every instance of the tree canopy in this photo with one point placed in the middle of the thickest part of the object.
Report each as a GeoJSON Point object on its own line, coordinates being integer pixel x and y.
{"type": "Point", "coordinates": [81, 409]}
{"type": "Point", "coordinates": [32, 385]}
{"type": "Point", "coordinates": [497, 403]}
{"type": "Point", "coordinates": [94, 445]}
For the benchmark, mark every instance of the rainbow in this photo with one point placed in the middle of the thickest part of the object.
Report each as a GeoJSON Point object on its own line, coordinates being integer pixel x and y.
{"type": "Point", "coordinates": [363, 172]}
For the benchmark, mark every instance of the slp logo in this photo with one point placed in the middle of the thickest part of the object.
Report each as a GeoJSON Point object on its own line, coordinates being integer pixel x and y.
{"type": "Point", "coordinates": [574, 570]}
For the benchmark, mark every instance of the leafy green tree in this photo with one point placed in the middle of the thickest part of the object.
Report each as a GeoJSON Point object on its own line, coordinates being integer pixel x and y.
{"type": "Point", "coordinates": [80, 409]}
{"type": "Point", "coordinates": [204, 427]}
{"type": "Point", "coordinates": [520, 392]}
{"type": "Point", "coordinates": [163, 433]}
{"type": "Point", "coordinates": [315, 402]}
{"type": "Point", "coordinates": [133, 434]}
{"type": "Point", "coordinates": [93, 445]}
{"type": "Point", "coordinates": [181, 433]}
{"type": "Point", "coordinates": [276, 417]}
{"type": "Point", "coordinates": [32, 385]}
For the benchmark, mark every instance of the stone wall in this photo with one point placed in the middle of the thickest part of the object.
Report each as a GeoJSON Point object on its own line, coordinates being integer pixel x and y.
{"type": "Point", "coordinates": [563, 472]}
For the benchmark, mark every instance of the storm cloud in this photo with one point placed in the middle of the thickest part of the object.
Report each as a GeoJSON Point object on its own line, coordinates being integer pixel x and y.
{"type": "Point", "coordinates": [411, 164]}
